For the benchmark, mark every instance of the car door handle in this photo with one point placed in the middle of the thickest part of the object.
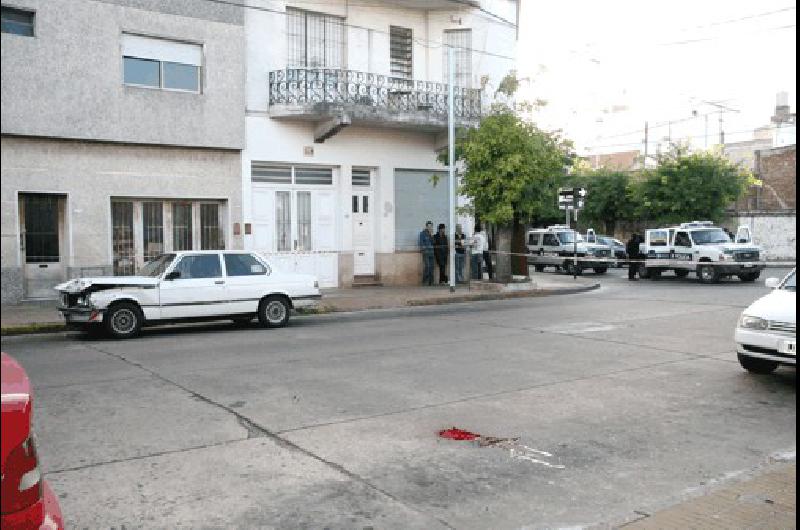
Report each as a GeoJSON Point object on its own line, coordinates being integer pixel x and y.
{"type": "Point", "coordinates": [219, 282]}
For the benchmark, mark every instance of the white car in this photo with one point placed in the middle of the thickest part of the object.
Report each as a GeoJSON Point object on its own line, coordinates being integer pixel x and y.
{"type": "Point", "coordinates": [188, 286]}
{"type": "Point", "coordinates": [767, 332]}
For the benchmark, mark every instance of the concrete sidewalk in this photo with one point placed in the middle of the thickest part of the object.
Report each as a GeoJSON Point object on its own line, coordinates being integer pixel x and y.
{"type": "Point", "coordinates": [768, 500]}
{"type": "Point", "coordinates": [39, 317]}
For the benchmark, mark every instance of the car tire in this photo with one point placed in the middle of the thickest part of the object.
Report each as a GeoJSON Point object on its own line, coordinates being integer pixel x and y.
{"type": "Point", "coordinates": [600, 270]}
{"type": "Point", "coordinates": [538, 268]}
{"type": "Point", "coordinates": [654, 274]}
{"type": "Point", "coordinates": [123, 320]}
{"type": "Point", "coordinates": [707, 273]}
{"type": "Point", "coordinates": [571, 269]}
{"type": "Point", "coordinates": [749, 276]}
{"type": "Point", "coordinates": [681, 273]}
{"type": "Point", "coordinates": [757, 366]}
{"type": "Point", "coordinates": [273, 311]}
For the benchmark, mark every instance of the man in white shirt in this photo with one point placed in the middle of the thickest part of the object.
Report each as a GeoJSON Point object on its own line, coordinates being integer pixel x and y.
{"type": "Point", "coordinates": [479, 246]}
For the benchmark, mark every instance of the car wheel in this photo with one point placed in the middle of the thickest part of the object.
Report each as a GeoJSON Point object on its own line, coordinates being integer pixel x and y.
{"type": "Point", "coordinates": [123, 320]}
{"type": "Point", "coordinates": [601, 270]}
{"type": "Point", "coordinates": [681, 273]}
{"type": "Point", "coordinates": [654, 274]}
{"type": "Point", "coordinates": [749, 276]}
{"type": "Point", "coordinates": [538, 268]}
{"type": "Point", "coordinates": [757, 366]}
{"type": "Point", "coordinates": [572, 269]}
{"type": "Point", "coordinates": [708, 274]}
{"type": "Point", "coordinates": [273, 312]}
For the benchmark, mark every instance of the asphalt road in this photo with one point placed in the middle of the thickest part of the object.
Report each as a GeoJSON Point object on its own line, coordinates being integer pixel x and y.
{"type": "Point", "coordinates": [622, 400]}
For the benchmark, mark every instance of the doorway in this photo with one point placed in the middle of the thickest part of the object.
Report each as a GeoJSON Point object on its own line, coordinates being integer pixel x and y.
{"type": "Point", "coordinates": [42, 243]}
{"type": "Point", "coordinates": [363, 234]}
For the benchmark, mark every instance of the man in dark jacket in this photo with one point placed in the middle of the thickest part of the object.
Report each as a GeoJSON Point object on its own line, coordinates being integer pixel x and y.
{"type": "Point", "coordinates": [425, 242]}
{"type": "Point", "coordinates": [634, 253]}
{"type": "Point", "coordinates": [441, 251]}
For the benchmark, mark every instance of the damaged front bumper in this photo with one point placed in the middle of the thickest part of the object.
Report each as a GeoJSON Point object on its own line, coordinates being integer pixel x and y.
{"type": "Point", "coordinates": [79, 316]}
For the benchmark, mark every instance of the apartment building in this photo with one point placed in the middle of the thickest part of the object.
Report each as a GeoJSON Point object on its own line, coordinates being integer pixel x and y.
{"type": "Point", "coordinates": [122, 131]}
{"type": "Point", "coordinates": [346, 112]}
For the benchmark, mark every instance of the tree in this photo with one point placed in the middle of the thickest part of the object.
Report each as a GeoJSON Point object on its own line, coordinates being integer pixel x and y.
{"type": "Point", "coordinates": [691, 186]}
{"type": "Point", "coordinates": [512, 173]}
{"type": "Point", "coordinates": [610, 197]}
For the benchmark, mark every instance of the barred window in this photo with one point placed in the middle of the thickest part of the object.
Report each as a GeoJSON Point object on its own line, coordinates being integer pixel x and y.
{"type": "Point", "coordinates": [401, 52]}
{"type": "Point", "coordinates": [263, 172]}
{"type": "Point", "coordinates": [316, 40]}
{"type": "Point", "coordinates": [461, 41]}
{"type": "Point", "coordinates": [361, 177]}
{"type": "Point", "coordinates": [285, 174]}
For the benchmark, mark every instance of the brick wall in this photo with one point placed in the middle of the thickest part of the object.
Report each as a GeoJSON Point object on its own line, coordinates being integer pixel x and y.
{"type": "Point", "coordinates": [777, 169]}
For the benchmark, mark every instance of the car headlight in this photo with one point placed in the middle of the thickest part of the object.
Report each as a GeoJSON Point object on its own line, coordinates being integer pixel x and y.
{"type": "Point", "coordinates": [751, 322]}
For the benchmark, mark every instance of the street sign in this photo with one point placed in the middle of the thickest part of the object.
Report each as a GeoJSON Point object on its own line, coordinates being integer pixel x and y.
{"type": "Point", "coordinates": [571, 198]}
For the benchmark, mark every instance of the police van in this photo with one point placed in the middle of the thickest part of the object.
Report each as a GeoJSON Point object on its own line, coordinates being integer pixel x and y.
{"type": "Point", "coordinates": [555, 246]}
{"type": "Point", "coordinates": [702, 248]}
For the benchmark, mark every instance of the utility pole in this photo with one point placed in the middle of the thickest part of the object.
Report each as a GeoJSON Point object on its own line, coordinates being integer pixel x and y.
{"type": "Point", "coordinates": [646, 132]}
{"type": "Point", "coordinates": [451, 158]}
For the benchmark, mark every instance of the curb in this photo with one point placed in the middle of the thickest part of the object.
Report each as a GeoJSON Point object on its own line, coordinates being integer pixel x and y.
{"type": "Point", "coordinates": [55, 327]}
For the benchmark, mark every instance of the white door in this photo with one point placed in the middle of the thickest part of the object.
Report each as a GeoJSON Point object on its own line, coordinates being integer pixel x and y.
{"type": "Point", "coordinates": [363, 234]}
{"type": "Point", "coordinates": [197, 291]}
{"type": "Point", "coordinates": [42, 243]}
{"type": "Point", "coordinates": [743, 235]}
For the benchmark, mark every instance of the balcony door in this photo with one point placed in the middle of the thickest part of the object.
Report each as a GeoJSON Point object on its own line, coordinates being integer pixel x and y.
{"type": "Point", "coordinates": [315, 40]}
{"type": "Point", "coordinates": [461, 41]}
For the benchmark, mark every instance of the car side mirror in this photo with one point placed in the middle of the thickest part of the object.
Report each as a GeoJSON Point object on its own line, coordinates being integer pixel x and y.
{"type": "Point", "coordinates": [772, 283]}
{"type": "Point", "coordinates": [172, 275]}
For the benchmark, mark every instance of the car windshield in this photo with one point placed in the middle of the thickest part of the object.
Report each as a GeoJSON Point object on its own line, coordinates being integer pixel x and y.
{"type": "Point", "coordinates": [156, 267]}
{"type": "Point", "coordinates": [711, 236]}
{"type": "Point", "coordinates": [791, 283]}
{"type": "Point", "coordinates": [568, 237]}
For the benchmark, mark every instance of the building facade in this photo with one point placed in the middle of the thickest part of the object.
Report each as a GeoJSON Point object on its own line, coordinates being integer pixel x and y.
{"type": "Point", "coordinates": [122, 131]}
{"type": "Point", "coordinates": [346, 114]}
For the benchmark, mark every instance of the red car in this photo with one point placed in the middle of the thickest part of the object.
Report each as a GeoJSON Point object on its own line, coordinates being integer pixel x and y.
{"type": "Point", "coordinates": [26, 498]}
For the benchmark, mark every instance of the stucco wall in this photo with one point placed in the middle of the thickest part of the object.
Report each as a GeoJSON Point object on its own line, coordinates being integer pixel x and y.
{"type": "Point", "coordinates": [67, 80]}
{"type": "Point", "coordinates": [91, 173]}
{"type": "Point", "coordinates": [775, 233]}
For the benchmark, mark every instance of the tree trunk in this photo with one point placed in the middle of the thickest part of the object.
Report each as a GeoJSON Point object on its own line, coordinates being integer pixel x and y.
{"type": "Point", "coordinates": [519, 261]}
{"type": "Point", "coordinates": [503, 270]}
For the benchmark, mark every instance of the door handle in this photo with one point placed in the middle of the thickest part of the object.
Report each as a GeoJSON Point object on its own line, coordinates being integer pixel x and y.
{"type": "Point", "coordinates": [219, 282]}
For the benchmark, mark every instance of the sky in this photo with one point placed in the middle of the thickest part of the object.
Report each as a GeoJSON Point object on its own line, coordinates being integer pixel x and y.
{"type": "Point", "coordinates": [605, 67]}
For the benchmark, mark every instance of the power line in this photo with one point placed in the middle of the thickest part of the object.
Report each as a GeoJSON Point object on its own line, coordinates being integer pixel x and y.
{"type": "Point", "coordinates": [424, 42]}
{"type": "Point", "coordinates": [690, 137]}
{"type": "Point", "coordinates": [486, 11]}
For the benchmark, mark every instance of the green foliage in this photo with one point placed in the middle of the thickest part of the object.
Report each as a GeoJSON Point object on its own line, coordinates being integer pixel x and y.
{"type": "Point", "coordinates": [610, 197]}
{"type": "Point", "coordinates": [684, 187]}
{"type": "Point", "coordinates": [511, 167]}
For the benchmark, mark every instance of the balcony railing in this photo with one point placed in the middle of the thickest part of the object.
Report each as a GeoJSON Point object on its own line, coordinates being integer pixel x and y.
{"type": "Point", "coordinates": [318, 89]}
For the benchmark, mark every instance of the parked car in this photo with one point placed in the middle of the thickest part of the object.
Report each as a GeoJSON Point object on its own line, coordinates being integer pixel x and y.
{"type": "Point", "coordinates": [766, 335]}
{"type": "Point", "coordinates": [617, 247]}
{"type": "Point", "coordinates": [188, 286]}
{"type": "Point", "coordinates": [26, 498]}
{"type": "Point", "coordinates": [557, 245]}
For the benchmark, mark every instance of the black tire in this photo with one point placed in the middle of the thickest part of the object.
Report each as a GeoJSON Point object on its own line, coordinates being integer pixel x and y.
{"type": "Point", "coordinates": [273, 311]}
{"type": "Point", "coordinates": [654, 274]}
{"type": "Point", "coordinates": [749, 276]}
{"type": "Point", "coordinates": [600, 270]}
{"type": "Point", "coordinates": [538, 268]}
{"type": "Point", "coordinates": [123, 320]}
{"type": "Point", "coordinates": [572, 269]}
{"type": "Point", "coordinates": [681, 273]}
{"type": "Point", "coordinates": [707, 273]}
{"type": "Point", "coordinates": [757, 366]}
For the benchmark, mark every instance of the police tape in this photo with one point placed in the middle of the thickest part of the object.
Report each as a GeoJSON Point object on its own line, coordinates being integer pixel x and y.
{"type": "Point", "coordinates": [548, 259]}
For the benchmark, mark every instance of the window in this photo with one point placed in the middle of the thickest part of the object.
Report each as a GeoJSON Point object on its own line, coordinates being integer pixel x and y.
{"type": "Point", "coordinates": [355, 203]}
{"type": "Point", "coordinates": [283, 220]}
{"type": "Point", "coordinates": [211, 237]}
{"type": "Point", "coordinates": [200, 266]}
{"type": "Point", "coordinates": [182, 226]}
{"type": "Point", "coordinates": [659, 238]}
{"type": "Point", "coordinates": [124, 246]}
{"type": "Point", "coordinates": [280, 174]}
{"type": "Point", "coordinates": [365, 204]}
{"type": "Point", "coordinates": [161, 63]}
{"type": "Point", "coordinates": [401, 52]}
{"type": "Point", "coordinates": [155, 268]}
{"type": "Point", "coordinates": [361, 177]}
{"type": "Point", "coordinates": [41, 229]}
{"type": "Point", "coordinates": [550, 240]}
{"type": "Point", "coordinates": [243, 265]}
{"type": "Point", "coordinates": [17, 21]}
{"type": "Point", "coordinates": [315, 40]}
{"type": "Point", "coordinates": [304, 220]}
{"type": "Point", "coordinates": [682, 240]}
{"type": "Point", "coordinates": [461, 40]}
{"type": "Point", "coordinates": [153, 229]}
{"type": "Point", "coordinates": [533, 239]}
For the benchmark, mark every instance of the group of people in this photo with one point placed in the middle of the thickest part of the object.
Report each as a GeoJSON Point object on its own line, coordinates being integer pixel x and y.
{"type": "Point", "coordinates": [435, 248]}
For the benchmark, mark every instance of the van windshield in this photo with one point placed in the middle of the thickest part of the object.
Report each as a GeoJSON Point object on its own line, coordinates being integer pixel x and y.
{"type": "Point", "coordinates": [710, 236]}
{"type": "Point", "coordinates": [568, 237]}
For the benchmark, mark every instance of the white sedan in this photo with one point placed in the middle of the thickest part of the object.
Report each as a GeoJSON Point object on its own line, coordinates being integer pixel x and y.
{"type": "Point", "coordinates": [188, 286]}
{"type": "Point", "coordinates": [767, 332]}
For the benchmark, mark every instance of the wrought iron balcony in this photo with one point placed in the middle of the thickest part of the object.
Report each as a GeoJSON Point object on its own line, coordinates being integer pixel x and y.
{"type": "Point", "coordinates": [360, 97]}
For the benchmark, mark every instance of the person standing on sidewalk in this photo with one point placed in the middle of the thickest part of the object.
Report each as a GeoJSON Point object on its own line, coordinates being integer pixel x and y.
{"type": "Point", "coordinates": [632, 248]}
{"type": "Point", "coordinates": [425, 243]}
{"type": "Point", "coordinates": [460, 253]}
{"type": "Point", "coordinates": [441, 249]}
{"type": "Point", "coordinates": [479, 245]}
{"type": "Point", "coordinates": [487, 256]}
